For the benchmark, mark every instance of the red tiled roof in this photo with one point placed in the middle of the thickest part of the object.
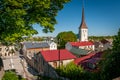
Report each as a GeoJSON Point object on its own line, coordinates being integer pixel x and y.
{"type": "Point", "coordinates": [78, 60]}
{"type": "Point", "coordinates": [92, 60]}
{"type": "Point", "coordinates": [53, 55]}
{"type": "Point", "coordinates": [82, 43]}
{"type": "Point", "coordinates": [97, 55]}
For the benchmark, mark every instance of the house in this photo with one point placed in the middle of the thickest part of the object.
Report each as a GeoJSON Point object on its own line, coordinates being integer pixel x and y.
{"type": "Point", "coordinates": [105, 44]}
{"type": "Point", "coordinates": [86, 45]}
{"type": "Point", "coordinates": [90, 61]}
{"type": "Point", "coordinates": [7, 50]}
{"type": "Point", "coordinates": [52, 45]}
{"type": "Point", "coordinates": [46, 61]}
{"type": "Point", "coordinates": [102, 45]}
{"type": "Point", "coordinates": [29, 48]}
{"type": "Point", "coordinates": [83, 46]}
{"type": "Point", "coordinates": [98, 47]}
{"type": "Point", "coordinates": [78, 52]}
{"type": "Point", "coordinates": [83, 42]}
{"type": "Point", "coordinates": [78, 61]}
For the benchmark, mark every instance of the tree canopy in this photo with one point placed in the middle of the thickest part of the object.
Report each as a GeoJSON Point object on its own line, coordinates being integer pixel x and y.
{"type": "Point", "coordinates": [64, 37]}
{"type": "Point", "coordinates": [70, 71]}
{"type": "Point", "coordinates": [111, 65]}
{"type": "Point", "coordinates": [10, 75]}
{"type": "Point", "coordinates": [95, 38]}
{"type": "Point", "coordinates": [18, 16]}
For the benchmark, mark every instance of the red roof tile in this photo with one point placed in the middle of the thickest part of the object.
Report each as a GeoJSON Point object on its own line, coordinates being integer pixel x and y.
{"type": "Point", "coordinates": [53, 55]}
{"type": "Point", "coordinates": [82, 43]}
{"type": "Point", "coordinates": [92, 60]}
{"type": "Point", "coordinates": [79, 60]}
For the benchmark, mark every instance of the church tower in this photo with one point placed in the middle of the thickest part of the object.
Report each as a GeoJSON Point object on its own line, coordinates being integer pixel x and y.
{"type": "Point", "coordinates": [83, 30]}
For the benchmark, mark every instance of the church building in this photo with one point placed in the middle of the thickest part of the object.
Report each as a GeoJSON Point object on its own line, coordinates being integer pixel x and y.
{"type": "Point", "coordinates": [83, 29]}
{"type": "Point", "coordinates": [83, 42]}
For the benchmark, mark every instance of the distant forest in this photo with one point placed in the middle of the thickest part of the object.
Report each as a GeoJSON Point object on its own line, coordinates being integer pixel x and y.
{"type": "Point", "coordinates": [48, 38]}
{"type": "Point", "coordinates": [100, 37]}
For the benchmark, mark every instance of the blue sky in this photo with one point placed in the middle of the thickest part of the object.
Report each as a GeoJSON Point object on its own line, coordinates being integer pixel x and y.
{"type": "Point", "coordinates": [101, 16]}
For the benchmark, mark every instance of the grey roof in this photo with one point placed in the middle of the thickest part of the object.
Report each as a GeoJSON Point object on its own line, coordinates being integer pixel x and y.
{"type": "Point", "coordinates": [78, 51]}
{"type": "Point", "coordinates": [36, 45]}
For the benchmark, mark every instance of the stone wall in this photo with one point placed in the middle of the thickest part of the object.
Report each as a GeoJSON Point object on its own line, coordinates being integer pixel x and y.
{"type": "Point", "coordinates": [1, 73]}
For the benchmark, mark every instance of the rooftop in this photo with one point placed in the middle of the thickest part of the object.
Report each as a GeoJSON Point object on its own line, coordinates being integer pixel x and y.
{"type": "Point", "coordinates": [104, 41]}
{"type": "Point", "coordinates": [36, 44]}
{"type": "Point", "coordinates": [79, 60]}
{"type": "Point", "coordinates": [53, 55]}
{"type": "Point", "coordinates": [82, 43]}
{"type": "Point", "coordinates": [79, 51]}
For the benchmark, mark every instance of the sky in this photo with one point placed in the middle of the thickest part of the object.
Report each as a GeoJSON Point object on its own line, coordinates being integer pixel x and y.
{"type": "Point", "coordinates": [101, 16]}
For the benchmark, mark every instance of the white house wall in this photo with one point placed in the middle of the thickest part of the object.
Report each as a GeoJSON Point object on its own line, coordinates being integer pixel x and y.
{"type": "Point", "coordinates": [84, 35]}
{"type": "Point", "coordinates": [5, 50]}
{"type": "Point", "coordinates": [53, 46]}
{"type": "Point", "coordinates": [65, 62]}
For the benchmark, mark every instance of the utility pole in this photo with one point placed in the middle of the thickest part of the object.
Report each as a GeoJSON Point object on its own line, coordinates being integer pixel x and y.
{"type": "Point", "coordinates": [59, 51]}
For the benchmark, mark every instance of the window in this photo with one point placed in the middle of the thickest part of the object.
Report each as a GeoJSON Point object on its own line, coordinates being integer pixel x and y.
{"type": "Point", "coordinates": [55, 64]}
{"type": "Point", "coordinates": [61, 63]}
{"type": "Point", "coordinates": [0, 49]}
{"type": "Point", "coordinates": [52, 46]}
{"type": "Point", "coordinates": [5, 54]}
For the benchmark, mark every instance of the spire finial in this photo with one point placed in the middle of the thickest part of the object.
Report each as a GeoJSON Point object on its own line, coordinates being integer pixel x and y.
{"type": "Point", "coordinates": [82, 10]}
{"type": "Point", "coordinates": [82, 3]}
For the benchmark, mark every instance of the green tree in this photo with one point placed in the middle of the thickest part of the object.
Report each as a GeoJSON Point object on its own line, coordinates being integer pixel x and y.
{"type": "Point", "coordinates": [10, 75]}
{"type": "Point", "coordinates": [17, 17]}
{"type": "Point", "coordinates": [70, 71]}
{"type": "Point", "coordinates": [64, 37]}
{"type": "Point", "coordinates": [98, 38]}
{"type": "Point", "coordinates": [111, 65]}
{"type": "Point", "coordinates": [76, 72]}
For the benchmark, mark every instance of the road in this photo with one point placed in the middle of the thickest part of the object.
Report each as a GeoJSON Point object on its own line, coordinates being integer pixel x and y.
{"type": "Point", "coordinates": [18, 63]}
{"type": "Point", "coordinates": [27, 74]}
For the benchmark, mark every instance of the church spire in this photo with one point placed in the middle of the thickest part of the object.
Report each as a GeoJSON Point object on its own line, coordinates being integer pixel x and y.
{"type": "Point", "coordinates": [83, 24]}
{"type": "Point", "coordinates": [83, 30]}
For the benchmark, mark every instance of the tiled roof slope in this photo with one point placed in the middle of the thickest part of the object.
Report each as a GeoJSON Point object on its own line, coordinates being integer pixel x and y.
{"type": "Point", "coordinates": [82, 43]}
{"type": "Point", "coordinates": [36, 45]}
{"type": "Point", "coordinates": [53, 55]}
{"type": "Point", "coordinates": [78, 60]}
{"type": "Point", "coordinates": [78, 51]}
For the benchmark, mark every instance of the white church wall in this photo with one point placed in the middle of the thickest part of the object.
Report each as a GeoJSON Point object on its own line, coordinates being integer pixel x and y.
{"type": "Point", "coordinates": [84, 35]}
